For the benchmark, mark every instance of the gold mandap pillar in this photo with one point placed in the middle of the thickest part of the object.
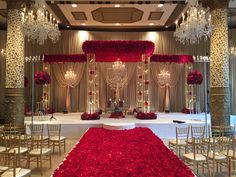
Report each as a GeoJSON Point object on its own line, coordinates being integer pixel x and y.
{"type": "Point", "coordinates": [219, 67]}
{"type": "Point", "coordinates": [14, 84]}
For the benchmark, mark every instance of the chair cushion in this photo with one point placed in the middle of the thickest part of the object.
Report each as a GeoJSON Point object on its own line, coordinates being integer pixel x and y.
{"type": "Point", "coordinates": [181, 142]}
{"type": "Point", "coordinates": [56, 138]}
{"type": "Point", "coordinates": [218, 156]}
{"type": "Point", "coordinates": [36, 152]}
{"type": "Point", "coordinates": [22, 150]}
{"type": "Point", "coordinates": [231, 153]}
{"type": "Point", "coordinates": [20, 172]}
{"type": "Point", "coordinates": [199, 157]}
{"type": "Point", "coordinates": [3, 168]}
{"type": "Point", "coordinates": [2, 148]}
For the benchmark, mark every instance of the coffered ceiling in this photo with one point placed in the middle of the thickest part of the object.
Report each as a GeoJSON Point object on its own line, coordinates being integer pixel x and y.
{"type": "Point", "coordinates": [116, 14]}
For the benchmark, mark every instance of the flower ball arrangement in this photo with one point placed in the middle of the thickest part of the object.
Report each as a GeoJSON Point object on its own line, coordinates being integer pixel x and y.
{"type": "Point", "coordinates": [42, 78]}
{"type": "Point", "coordinates": [90, 116]}
{"type": "Point", "coordinates": [194, 78]}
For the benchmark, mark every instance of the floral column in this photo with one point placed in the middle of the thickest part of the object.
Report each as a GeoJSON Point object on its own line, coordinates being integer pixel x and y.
{"type": "Point", "coordinates": [139, 85]}
{"type": "Point", "coordinates": [143, 84]}
{"type": "Point", "coordinates": [219, 66]}
{"type": "Point", "coordinates": [14, 84]}
{"type": "Point", "coordinates": [92, 84]}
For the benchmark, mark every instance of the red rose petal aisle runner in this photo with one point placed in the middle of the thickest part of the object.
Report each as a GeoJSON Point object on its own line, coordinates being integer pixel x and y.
{"type": "Point", "coordinates": [122, 153]}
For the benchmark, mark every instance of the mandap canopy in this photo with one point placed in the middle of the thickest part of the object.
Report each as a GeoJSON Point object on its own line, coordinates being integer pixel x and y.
{"type": "Point", "coordinates": [126, 51]}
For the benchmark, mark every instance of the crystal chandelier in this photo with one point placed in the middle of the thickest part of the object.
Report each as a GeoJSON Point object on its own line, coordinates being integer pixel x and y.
{"type": "Point", "coordinates": [117, 77]}
{"type": "Point", "coordinates": [164, 77]}
{"type": "Point", "coordinates": [38, 24]}
{"type": "Point", "coordinates": [118, 64]}
{"type": "Point", "coordinates": [195, 25]}
{"type": "Point", "coordinates": [70, 77]}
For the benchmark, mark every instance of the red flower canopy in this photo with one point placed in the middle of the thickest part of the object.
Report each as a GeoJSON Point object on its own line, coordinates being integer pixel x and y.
{"type": "Point", "coordinates": [172, 58]}
{"type": "Point", "coordinates": [127, 51]}
{"type": "Point", "coordinates": [65, 58]}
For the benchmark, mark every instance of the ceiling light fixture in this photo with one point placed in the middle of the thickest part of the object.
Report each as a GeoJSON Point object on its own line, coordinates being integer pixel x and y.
{"type": "Point", "coordinates": [151, 24]}
{"type": "Point", "coordinates": [74, 5]}
{"type": "Point", "coordinates": [83, 24]}
{"type": "Point", "coordinates": [117, 5]}
{"type": "Point", "coordinates": [160, 5]}
{"type": "Point", "coordinates": [117, 24]}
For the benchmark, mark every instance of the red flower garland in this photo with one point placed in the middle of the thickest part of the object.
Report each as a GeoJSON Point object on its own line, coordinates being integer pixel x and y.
{"type": "Point", "coordinates": [194, 77]}
{"type": "Point", "coordinates": [146, 116]}
{"type": "Point", "coordinates": [92, 116]}
{"type": "Point", "coordinates": [42, 78]}
{"type": "Point", "coordinates": [121, 153]}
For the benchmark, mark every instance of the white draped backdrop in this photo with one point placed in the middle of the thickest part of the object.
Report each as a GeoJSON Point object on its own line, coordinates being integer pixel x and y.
{"type": "Point", "coordinates": [71, 42]}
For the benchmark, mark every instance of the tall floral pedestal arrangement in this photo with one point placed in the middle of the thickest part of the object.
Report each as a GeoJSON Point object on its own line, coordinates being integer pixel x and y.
{"type": "Point", "coordinates": [43, 78]}
{"type": "Point", "coordinates": [194, 80]}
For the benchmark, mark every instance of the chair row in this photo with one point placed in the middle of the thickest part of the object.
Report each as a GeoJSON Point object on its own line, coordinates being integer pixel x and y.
{"type": "Point", "coordinates": [31, 147]}
{"type": "Point", "coordinates": [210, 150]}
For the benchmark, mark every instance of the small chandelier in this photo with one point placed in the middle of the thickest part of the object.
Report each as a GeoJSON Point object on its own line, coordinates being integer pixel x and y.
{"type": "Point", "coordinates": [70, 76]}
{"type": "Point", "coordinates": [195, 25]}
{"type": "Point", "coordinates": [118, 64]}
{"type": "Point", "coordinates": [38, 24]}
{"type": "Point", "coordinates": [164, 77]}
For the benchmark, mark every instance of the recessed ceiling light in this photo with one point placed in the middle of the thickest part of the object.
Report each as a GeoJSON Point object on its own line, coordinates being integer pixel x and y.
{"type": "Point", "coordinates": [68, 26]}
{"type": "Point", "coordinates": [83, 24]}
{"type": "Point", "coordinates": [117, 5]}
{"type": "Point", "coordinates": [117, 24]}
{"type": "Point", "coordinates": [151, 24]}
{"type": "Point", "coordinates": [160, 5]}
{"type": "Point", "coordinates": [74, 5]}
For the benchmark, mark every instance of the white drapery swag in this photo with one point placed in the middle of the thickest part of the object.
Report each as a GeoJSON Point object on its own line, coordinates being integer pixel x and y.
{"type": "Point", "coordinates": [106, 92]}
{"type": "Point", "coordinates": [175, 72]}
{"type": "Point", "coordinates": [59, 70]}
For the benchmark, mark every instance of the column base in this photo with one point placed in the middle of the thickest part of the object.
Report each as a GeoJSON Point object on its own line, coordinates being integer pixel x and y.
{"type": "Point", "coordinates": [220, 106]}
{"type": "Point", "coordinates": [14, 105]}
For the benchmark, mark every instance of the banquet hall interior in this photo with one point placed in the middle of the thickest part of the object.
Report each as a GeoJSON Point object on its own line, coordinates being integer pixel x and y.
{"type": "Point", "coordinates": [117, 88]}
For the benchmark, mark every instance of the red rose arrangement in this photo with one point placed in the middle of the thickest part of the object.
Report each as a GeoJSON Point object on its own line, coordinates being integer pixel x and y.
{"type": "Point", "coordinates": [90, 116]}
{"type": "Point", "coordinates": [146, 116]}
{"type": "Point", "coordinates": [194, 78]}
{"type": "Point", "coordinates": [42, 78]}
{"type": "Point", "coordinates": [187, 111]}
{"type": "Point", "coordinates": [117, 115]}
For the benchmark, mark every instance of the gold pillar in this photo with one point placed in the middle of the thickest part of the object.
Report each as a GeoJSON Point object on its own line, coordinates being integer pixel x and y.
{"type": "Point", "coordinates": [14, 84]}
{"type": "Point", "coordinates": [219, 67]}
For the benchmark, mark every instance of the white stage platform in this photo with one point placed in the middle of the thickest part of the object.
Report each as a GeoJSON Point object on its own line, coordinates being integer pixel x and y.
{"type": "Point", "coordinates": [163, 126]}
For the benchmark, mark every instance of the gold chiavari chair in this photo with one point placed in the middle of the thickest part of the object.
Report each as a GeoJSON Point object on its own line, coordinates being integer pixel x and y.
{"type": "Point", "coordinates": [38, 153]}
{"type": "Point", "coordinates": [214, 155]}
{"type": "Point", "coordinates": [55, 138]}
{"type": "Point", "coordinates": [195, 157]}
{"type": "Point", "coordinates": [13, 171]}
{"type": "Point", "coordinates": [37, 129]}
{"type": "Point", "coordinates": [179, 143]}
{"type": "Point", "coordinates": [13, 143]}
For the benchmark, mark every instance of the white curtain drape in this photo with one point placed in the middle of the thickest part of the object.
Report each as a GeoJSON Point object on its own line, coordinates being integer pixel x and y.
{"type": "Point", "coordinates": [59, 71]}
{"type": "Point", "coordinates": [106, 92]}
{"type": "Point", "coordinates": [165, 93]}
